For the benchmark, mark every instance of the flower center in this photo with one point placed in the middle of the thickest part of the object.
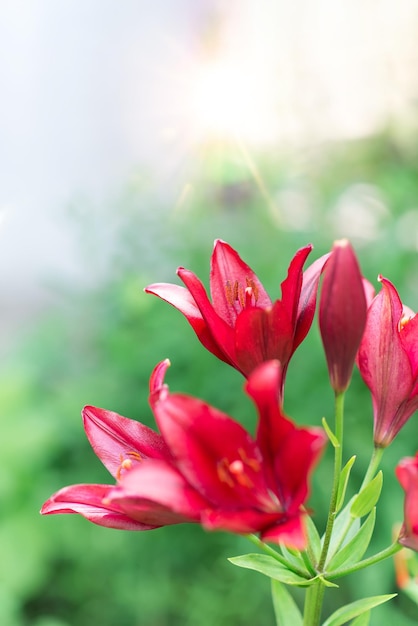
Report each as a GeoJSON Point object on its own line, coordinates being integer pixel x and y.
{"type": "Point", "coordinates": [238, 471]}
{"type": "Point", "coordinates": [239, 296]}
{"type": "Point", "coordinates": [127, 463]}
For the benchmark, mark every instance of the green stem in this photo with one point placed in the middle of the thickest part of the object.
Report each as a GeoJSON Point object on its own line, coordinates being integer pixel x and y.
{"type": "Point", "coordinates": [338, 455]}
{"type": "Point", "coordinates": [376, 558]}
{"type": "Point", "coordinates": [276, 555]}
{"type": "Point", "coordinates": [313, 604]}
{"type": "Point", "coordinates": [373, 466]}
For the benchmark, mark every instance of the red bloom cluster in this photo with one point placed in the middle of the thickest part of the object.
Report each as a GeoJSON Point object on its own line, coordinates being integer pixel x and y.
{"type": "Point", "coordinates": [242, 326]}
{"type": "Point", "coordinates": [204, 467]}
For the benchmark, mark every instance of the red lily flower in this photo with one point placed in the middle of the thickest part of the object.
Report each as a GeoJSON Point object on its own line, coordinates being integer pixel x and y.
{"type": "Point", "coordinates": [388, 362]}
{"type": "Point", "coordinates": [242, 326]}
{"type": "Point", "coordinates": [204, 467]}
{"type": "Point", "coordinates": [407, 474]}
{"type": "Point", "coordinates": [342, 313]}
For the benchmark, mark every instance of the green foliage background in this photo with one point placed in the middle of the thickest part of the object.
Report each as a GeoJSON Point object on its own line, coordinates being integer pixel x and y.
{"type": "Point", "coordinates": [100, 345]}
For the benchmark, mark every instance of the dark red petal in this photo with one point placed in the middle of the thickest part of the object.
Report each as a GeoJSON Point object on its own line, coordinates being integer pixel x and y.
{"type": "Point", "coordinates": [261, 335]}
{"type": "Point", "coordinates": [115, 438]}
{"type": "Point", "coordinates": [263, 386]}
{"type": "Point", "coordinates": [292, 284]}
{"type": "Point", "coordinates": [157, 493]}
{"type": "Point", "coordinates": [291, 533]}
{"type": "Point", "coordinates": [87, 500]}
{"type": "Point", "coordinates": [221, 333]}
{"type": "Point", "coordinates": [294, 463]}
{"type": "Point", "coordinates": [289, 453]}
{"type": "Point", "coordinates": [227, 267]}
{"type": "Point", "coordinates": [307, 300]}
{"type": "Point", "coordinates": [383, 363]}
{"type": "Point", "coordinates": [183, 301]}
{"type": "Point", "coordinates": [242, 521]}
{"type": "Point", "coordinates": [215, 454]}
{"type": "Point", "coordinates": [342, 313]}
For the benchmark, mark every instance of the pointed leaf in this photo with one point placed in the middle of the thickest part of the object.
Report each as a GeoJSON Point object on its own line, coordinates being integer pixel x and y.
{"type": "Point", "coordinates": [285, 608]}
{"type": "Point", "coordinates": [314, 540]}
{"type": "Point", "coordinates": [294, 557]}
{"type": "Point", "coordinates": [368, 497]}
{"type": "Point", "coordinates": [362, 620]}
{"type": "Point", "coordinates": [333, 439]}
{"type": "Point", "coordinates": [343, 482]}
{"type": "Point", "coordinates": [344, 529]}
{"type": "Point", "coordinates": [354, 549]}
{"type": "Point", "coordinates": [343, 615]}
{"type": "Point", "coordinates": [270, 567]}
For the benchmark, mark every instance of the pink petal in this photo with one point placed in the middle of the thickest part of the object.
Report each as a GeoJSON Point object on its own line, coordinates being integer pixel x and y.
{"type": "Point", "coordinates": [116, 439]}
{"type": "Point", "coordinates": [407, 474]}
{"type": "Point", "coordinates": [87, 500]}
{"type": "Point", "coordinates": [409, 340]}
{"type": "Point", "coordinates": [182, 299]}
{"type": "Point", "coordinates": [156, 493]}
{"type": "Point", "coordinates": [383, 363]}
{"type": "Point", "coordinates": [227, 268]}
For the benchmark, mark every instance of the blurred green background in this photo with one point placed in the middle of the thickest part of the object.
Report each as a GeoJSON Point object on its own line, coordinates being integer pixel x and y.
{"type": "Point", "coordinates": [163, 126]}
{"type": "Point", "coordinates": [101, 343]}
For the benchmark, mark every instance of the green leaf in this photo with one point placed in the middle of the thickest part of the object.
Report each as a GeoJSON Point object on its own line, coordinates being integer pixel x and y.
{"type": "Point", "coordinates": [353, 551]}
{"type": "Point", "coordinates": [343, 482]}
{"type": "Point", "coordinates": [314, 539]}
{"type": "Point", "coordinates": [285, 608]}
{"type": "Point", "coordinates": [294, 557]}
{"type": "Point", "coordinates": [368, 497]}
{"type": "Point", "coordinates": [344, 529]}
{"type": "Point", "coordinates": [333, 439]}
{"type": "Point", "coordinates": [268, 566]}
{"type": "Point", "coordinates": [362, 620]}
{"type": "Point", "coordinates": [343, 615]}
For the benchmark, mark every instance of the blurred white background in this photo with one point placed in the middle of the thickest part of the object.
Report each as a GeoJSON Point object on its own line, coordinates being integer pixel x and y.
{"type": "Point", "coordinates": [93, 93]}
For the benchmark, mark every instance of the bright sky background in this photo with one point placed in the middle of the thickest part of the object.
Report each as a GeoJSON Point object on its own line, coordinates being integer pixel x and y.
{"type": "Point", "coordinates": [92, 91]}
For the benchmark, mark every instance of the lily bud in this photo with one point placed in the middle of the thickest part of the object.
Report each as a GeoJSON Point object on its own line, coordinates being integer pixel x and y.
{"type": "Point", "coordinates": [342, 313]}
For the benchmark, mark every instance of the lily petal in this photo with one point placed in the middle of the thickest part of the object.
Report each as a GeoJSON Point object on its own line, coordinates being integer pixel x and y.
{"type": "Point", "coordinates": [156, 493]}
{"type": "Point", "coordinates": [384, 364]}
{"type": "Point", "coordinates": [261, 335]}
{"type": "Point", "coordinates": [115, 439]}
{"type": "Point", "coordinates": [181, 298]}
{"type": "Point", "coordinates": [87, 500]}
{"type": "Point", "coordinates": [342, 313]}
{"type": "Point", "coordinates": [228, 269]}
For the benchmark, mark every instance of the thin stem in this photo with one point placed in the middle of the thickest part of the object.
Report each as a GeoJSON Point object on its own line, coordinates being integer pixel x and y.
{"type": "Point", "coordinates": [313, 604]}
{"type": "Point", "coordinates": [373, 466]}
{"type": "Point", "coordinates": [338, 455]}
{"type": "Point", "coordinates": [376, 558]}
{"type": "Point", "coordinates": [276, 555]}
